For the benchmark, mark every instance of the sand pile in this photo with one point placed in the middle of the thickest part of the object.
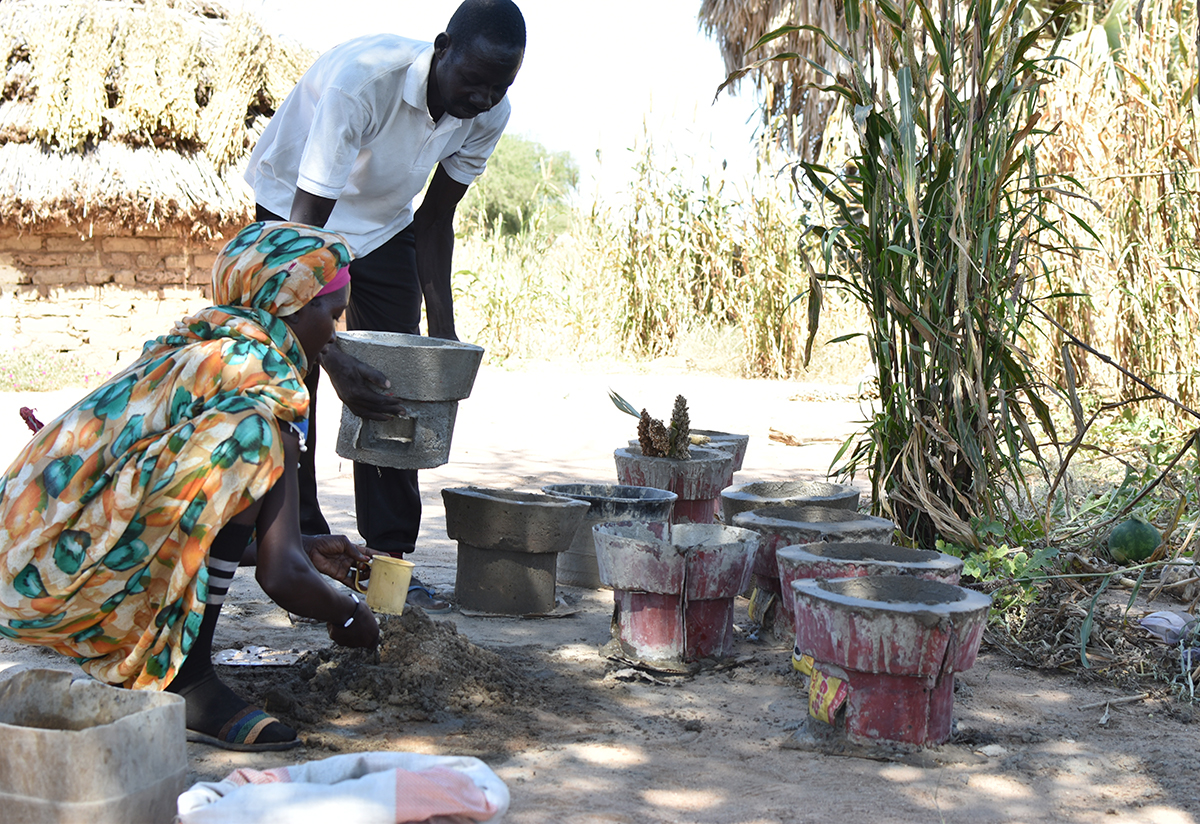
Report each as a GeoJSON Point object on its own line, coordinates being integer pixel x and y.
{"type": "Point", "coordinates": [423, 670]}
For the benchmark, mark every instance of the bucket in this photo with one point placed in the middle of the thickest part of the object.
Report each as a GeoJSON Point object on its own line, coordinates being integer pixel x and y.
{"type": "Point", "coordinates": [607, 503]}
{"type": "Point", "coordinates": [387, 589]}
{"type": "Point", "coordinates": [76, 751]}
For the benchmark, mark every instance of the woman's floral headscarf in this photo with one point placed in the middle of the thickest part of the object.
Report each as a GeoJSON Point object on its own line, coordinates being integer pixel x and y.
{"type": "Point", "coordinates": [277, 267]}
{"type": "Point", "coordinates": [268, 271]}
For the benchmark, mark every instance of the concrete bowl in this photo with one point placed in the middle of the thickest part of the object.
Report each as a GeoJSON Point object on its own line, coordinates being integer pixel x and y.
{"type": "Point", "coordinates": [76, 750]}
{"type": "Point", "coordinates": [513, 521]}
{"type": "Point", "coordinates": [735, 445]}
{"type": "Point", "coordinates": [791, 525]}
{"type": "Point", "coordinates": [760, 494]}
{"type": "Point", "coordinates": [638, 557]}
{"type": "Point", "coordinates": [420, 368]}
{"type": "Point", "coordinates": [893, 624]}
{"type": "Point", "coordinates": [855, 560]}
{"type": "Point", "coordinates": [607, 503]}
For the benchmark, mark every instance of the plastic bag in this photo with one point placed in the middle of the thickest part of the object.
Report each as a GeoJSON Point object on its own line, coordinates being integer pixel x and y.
{"type": "Point", "coordinates": [1168, 626]}
{"type": "Point", "coordinates": [366, 788]}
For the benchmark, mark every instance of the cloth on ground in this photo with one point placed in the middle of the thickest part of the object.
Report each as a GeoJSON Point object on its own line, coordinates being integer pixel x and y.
{"type": "Point", "coordinates": [366, 788]}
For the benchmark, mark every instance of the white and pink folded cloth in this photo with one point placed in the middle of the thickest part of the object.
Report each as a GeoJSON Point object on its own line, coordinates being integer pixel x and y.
{"type": "Point", "coordinates": [364, 788]}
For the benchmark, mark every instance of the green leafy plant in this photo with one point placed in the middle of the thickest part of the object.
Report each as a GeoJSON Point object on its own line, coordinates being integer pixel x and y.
{"type": "Point", "coordinates": [934, 223]}
{"type": "Point", "coordinates": [1011, 574]}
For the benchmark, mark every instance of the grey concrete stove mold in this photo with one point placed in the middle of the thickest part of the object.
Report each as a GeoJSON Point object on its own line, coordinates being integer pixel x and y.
{"type": "Point", "coordinates": [607, 503]}
{"type": "Point", "coordinates": [735, 445]}
{"type": "Point", "coordinates": [760, 494]}
{"type": "Point", "coordinates": [80, 752]}
{"type": "Point", "coordinates": [430, 376]}
{"type": "Point", "coordinates": [508, 546]}
{"type": "Point", "coordinates": [854, 560]}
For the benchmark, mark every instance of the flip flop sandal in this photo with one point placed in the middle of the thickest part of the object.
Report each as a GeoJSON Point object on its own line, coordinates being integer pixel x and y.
{"type": "Point", "coordinates": [430, 597]}
{"type": "Point", "coordinates": [241, 733]}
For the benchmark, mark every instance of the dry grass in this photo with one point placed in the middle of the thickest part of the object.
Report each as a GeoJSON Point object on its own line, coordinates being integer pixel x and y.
{"type": "Point", "coordinates": [1127, 139]}
{"type": "Point", "coordinates": [790, 102]}
{"type": "Point", "coordinates": [238, 72]}
{"type": "Point", "coordinates": [707, 277]}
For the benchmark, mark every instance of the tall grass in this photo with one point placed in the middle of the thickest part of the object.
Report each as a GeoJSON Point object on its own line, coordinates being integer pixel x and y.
{"type": "Point", "coordinates": [1127, 141]}
{"type": "Point", "coordinates": [536, 295]}
{"type": "Point", "coordinates": [934, 226]}
{"type": "Point", "coordinates": [679, 268]}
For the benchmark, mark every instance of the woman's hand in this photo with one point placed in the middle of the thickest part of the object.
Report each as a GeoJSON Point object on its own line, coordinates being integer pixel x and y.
{"type": "Point", "coordinates": [290, 565]}
{"type": "Point", "coordinates": [336, 556]}
{"type": "Point", "coordinates": [362, 632]}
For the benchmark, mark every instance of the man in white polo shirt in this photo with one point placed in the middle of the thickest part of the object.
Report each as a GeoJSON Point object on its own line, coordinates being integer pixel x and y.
{"type": "Point", "coordinates": [349, 149]}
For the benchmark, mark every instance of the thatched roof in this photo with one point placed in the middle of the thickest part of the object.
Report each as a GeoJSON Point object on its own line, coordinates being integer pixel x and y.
{"type": "Point", "coordinates": [790, 105]}
{"type": "Point", "coordinates": [134, 112]}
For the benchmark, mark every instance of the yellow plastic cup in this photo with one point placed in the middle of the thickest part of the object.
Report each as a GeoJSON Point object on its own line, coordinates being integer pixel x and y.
{"type": "Point", "coordinates": [387, 590]}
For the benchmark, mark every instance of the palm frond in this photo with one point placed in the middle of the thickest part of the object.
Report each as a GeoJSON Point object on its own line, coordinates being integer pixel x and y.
{"type": "Point", "coordinates": [622, 404]}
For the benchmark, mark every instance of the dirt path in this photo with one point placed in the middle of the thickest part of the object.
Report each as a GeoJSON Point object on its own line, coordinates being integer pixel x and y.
{"type": "Point", "coordinates": [581, 740]}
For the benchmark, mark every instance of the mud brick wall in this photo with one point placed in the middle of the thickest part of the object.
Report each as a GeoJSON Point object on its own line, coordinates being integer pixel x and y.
{"type": "Point", "coordinates": [100, 296]}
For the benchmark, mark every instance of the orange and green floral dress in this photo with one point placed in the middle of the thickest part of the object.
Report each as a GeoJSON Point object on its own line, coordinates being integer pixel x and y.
{"type": "Point", "coordinates": [107, 515]}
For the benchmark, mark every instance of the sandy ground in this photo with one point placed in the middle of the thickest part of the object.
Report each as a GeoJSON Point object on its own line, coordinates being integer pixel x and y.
{"type": "Point", "coordinates": [582, 739]}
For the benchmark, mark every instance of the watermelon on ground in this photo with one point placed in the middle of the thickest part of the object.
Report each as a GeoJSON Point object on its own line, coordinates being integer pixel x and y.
{"type": "Point", "coordinates": [1133, 541]}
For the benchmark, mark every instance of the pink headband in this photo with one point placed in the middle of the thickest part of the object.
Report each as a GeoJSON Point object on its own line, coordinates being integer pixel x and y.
{"type": "Point", "coordinates": [339, 280]}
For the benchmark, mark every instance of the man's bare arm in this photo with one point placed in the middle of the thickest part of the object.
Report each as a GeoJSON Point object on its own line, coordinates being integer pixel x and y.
{"type": "Point", "coordinates": [433, 225]}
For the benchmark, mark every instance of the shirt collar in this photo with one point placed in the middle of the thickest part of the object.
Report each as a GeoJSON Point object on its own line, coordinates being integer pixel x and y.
{"type": "Point", "coordinates": [416, 86]}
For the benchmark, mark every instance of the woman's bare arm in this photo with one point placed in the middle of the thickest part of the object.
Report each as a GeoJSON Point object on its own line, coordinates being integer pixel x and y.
{"type": "Point", "coordinates": [285, 571]}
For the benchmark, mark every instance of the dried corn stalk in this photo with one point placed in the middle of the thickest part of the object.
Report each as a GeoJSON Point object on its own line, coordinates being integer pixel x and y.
{"type": "Point", "coordinates": [659, 441]}
{"type": "Point", "coordinates": [791, 104]}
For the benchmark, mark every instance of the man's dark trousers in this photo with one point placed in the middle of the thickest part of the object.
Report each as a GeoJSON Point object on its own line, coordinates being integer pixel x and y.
{"type": "Point", "coordinates": [385, 296]}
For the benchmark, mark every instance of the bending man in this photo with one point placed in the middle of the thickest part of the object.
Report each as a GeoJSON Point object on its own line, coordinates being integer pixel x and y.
{"type": "Point", "coordinates": [350, 148]}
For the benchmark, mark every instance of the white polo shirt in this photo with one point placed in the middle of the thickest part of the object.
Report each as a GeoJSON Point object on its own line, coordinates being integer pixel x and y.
{"type": "Point", "coordinates": [357, 129]}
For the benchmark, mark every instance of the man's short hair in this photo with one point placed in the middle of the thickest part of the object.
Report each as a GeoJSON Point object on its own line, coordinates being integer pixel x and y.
{"type": "Point", "coordinates": [500, 21]}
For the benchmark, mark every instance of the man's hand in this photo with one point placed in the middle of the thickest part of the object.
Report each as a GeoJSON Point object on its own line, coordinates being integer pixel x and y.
{"type": "Point", "coordinates": [360, 387]}
{"type": "Point", "coordinates": [335, 555]}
